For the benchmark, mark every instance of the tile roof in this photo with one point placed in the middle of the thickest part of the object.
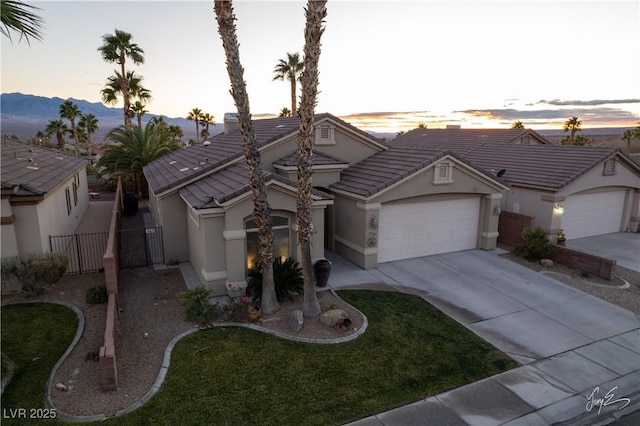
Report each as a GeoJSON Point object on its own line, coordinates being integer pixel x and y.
{"type": "Point", "coordinates": [318, 159]}
{"type": "Point", "coordinates": [546, 166]}
{"type": "Point", "coordinates": [226, 184]}
{"type": "Point", "coordinates": [35, 170]}
{"type": "Point", "coordinates": [542, 165]}
{"type": "Point", "coordinates": [464, 140]}
{"type": "Point", "coordinates": [385, 168]}
{"type": "Point", "coordinates": [187, 164]}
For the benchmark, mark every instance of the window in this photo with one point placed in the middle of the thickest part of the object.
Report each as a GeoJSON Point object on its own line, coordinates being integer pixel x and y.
{"type": "Point", "coordinates": [75, 194]}
{"type": "Point", "coordinates": [609, 167]}
{"type": "Point", "coordinates": [280, 239]}
{"type": "Point", "coordinates": [325, 135]}
{"type": "Point", "coordinates": [68, 196]}
{"type": "Point", "coordinates": [443, 173]}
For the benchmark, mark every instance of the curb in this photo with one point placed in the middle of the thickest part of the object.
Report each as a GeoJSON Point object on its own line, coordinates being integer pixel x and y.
{"type": "Point", "coordinates": [613, 287]}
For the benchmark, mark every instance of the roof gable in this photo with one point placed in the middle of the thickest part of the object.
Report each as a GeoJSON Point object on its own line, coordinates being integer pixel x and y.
{"type": "Point", "coordinates": [186, 165]}
{"type": "Point", "coordinates": [218, 188]}
{"type": "Point", "coordinates": [35, 170]}
{"type": "Point", "coordinates": [386, 168]}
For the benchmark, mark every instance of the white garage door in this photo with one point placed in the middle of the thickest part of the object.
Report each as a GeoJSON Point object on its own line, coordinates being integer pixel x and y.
{"type": "Point", "coordinates": [423, 229]}
{"type": "Point", "coordinates": [586, 215]}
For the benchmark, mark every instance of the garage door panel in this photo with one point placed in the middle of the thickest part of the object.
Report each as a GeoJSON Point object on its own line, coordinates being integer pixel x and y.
{"type": "Point", "coordinates": [422, 229]}
{"type": "Point", "coordinates": [586, 215]}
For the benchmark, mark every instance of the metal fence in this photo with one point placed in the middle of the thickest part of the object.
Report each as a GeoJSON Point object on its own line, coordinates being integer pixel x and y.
{"type": "Point", "coordinates": [138, 248]}
{"type": "Point", "coordinates": [141, 247]}
{"type": "Point", "coordinates": [85, 251]}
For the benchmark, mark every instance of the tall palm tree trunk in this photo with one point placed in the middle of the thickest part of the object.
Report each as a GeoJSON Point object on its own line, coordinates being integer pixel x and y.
{"type": "Point", "coordinates": [262, 210]}
{"type": "Point", "coordinates": [315, 11]}
{"type": "Point", "coordinates": [124, 86]}
{"type": "Point", "coordinates": [293, 97]}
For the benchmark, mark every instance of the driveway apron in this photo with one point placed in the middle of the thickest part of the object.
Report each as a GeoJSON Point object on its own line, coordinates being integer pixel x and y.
{"type": "Point", "coordinates": [574, 348]}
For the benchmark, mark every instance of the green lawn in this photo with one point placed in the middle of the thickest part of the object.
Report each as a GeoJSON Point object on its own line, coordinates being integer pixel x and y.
{"type": "Point", "coordinates": [236, 376]}
{"type": "Point", "coordinates": [34, 336]}
{"type": "Point", "coordinates": [239, 376]}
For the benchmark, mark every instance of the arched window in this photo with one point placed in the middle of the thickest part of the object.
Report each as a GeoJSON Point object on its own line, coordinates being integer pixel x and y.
{"type": "Point", "coordinates": [280, 247]}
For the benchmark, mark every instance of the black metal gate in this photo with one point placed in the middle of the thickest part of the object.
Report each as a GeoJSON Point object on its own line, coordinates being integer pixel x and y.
{"type": "Point", "coordinates": [141, 247]}
{"type": "Point", "coordinates": [85, 251]}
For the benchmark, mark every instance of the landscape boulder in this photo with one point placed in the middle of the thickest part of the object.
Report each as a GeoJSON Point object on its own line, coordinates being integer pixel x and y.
{"type": "Point", "coordinates": [547, 263]}
{"type": "Point", "coordinates": [331, 317]}
{"type": "Point", "coordinates": [296, 319]}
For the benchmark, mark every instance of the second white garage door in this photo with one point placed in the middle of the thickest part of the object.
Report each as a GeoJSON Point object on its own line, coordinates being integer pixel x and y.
{"type": "Point", "coordinates": [586, 215]}
{"type": "Point", "coordinates": [423, 229]}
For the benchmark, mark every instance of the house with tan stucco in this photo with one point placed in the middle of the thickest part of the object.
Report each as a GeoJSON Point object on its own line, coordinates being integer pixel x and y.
{"type": "Point", "coordinates": [372, 202]}
{"type": "Point", "coordinates": [44, 192]}
{"type": "Point", "coordinates": [585, 191]}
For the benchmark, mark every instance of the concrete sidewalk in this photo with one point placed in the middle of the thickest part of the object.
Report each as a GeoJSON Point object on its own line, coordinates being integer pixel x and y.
{"type": "Point", "coordinates": [575, 349]}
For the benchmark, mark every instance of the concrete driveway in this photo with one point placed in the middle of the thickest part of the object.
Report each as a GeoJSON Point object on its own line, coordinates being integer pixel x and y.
{"type": "Point", "coordinates": [624, 247]}
{"type": "Point", "coordinates": [568, 342]}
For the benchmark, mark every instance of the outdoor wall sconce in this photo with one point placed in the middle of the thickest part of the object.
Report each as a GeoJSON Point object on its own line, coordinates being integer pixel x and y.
{"type": "Point", "coordinates": [497, 210]}
{"type": "Point", "coordinates": [558, 209]}
{"type": "Point", "coordinates": [373, 222]}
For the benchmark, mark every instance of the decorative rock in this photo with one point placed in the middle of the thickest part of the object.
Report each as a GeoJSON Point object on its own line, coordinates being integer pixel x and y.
{"type": "Point", "coordinates": [331, 317]}
{"type": "Point", "coordinates": [296, 319]}
{"type": "Point", "coordinates": [61, 387]}
{"type": "Point", "coordinates": [547, 263]}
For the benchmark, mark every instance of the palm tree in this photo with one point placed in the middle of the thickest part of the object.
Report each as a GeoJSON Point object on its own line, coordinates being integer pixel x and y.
{"type": "Point", "coordinates": [176, 133]}
{"type": "Point", "coordinates": [315, 12]}
{"type": "Point", "coordinates": [422, 125]}
{"type": "Point", "coordinates": [58, 128]}
{"type": "Point", "coordinates": [135, 147]}
{"type": "Point", "coordinates": [517, 125]}
{"type": "Point", "coordinates": [285, 112]}
{"type": "Point", "coordinates": [572, 125]}
{"type": "Point", "coordinates": [261, 208]}
{"type": "Point", "coordinates": [70, 111]}
{"type": "Point", "coordinates": [116, 48]}
{"type": "Point", "coordinates": [290, 69]}
{"type": "Point", "coordinates": [138, 110]}
{"type": "Point", "coordinates": [113, 89]}
{"type": "Point", "coordinates": [196, 115]}
{"type": "Point", "coordinates": [206, 120]}
{"type": "Point", "coordinates": [18, 16]}
{"type": "Point", "coordinates": [89, 124]}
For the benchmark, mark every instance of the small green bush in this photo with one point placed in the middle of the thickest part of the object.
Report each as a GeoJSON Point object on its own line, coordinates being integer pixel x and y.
{"type": "Point", "coordinates": [97, 294]}
{"type": "Point", "coordinates": [36, 274]}
{"type": "Point", "coordinates": [287, 277]}
{"type": "Point", "coordinates": [196, 304]}
{"type": "Point", "coordinates": [536, 245]}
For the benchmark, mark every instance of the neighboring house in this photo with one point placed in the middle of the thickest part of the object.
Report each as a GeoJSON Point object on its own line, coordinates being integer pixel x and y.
{"type": "Point", "coordinates": [44, 192]}
{"type": "Point", "coordinates": [585, 191]}
{"type": "Point", "coordinates": [368, 200]}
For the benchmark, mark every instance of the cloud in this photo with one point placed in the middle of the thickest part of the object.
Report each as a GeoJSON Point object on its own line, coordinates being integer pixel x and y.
{"type": "Point", "coordinates": [611, 115]}
{"type": "Point", "coordinates": [594, 102]}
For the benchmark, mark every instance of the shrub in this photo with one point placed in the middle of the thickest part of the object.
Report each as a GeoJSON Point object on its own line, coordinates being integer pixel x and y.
{"type": "Point", "coordinates": [196, 304]}
{"type": "Point", "coordinates": [234, 310]}
{"type": "Point", "coordinates": [536, 245]}
{"type": "Point", "coordinates": [287, 277]}
{"type": "Point", "coordinates": [97, 294]}
{"type": "Point", "coordinates": [36, 274]}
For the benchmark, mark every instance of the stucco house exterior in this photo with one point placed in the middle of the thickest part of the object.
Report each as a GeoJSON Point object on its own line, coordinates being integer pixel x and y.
{"type": "Point", "coordinates": [584, 191]}
{"type": "Point", "coordinates": [44, 192]}
{"type": "Point", "coordinates": [201, 198]}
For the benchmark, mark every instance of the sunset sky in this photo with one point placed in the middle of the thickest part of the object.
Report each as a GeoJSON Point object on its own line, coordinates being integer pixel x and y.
{"type": "Point", "coordinates": [385, 66]}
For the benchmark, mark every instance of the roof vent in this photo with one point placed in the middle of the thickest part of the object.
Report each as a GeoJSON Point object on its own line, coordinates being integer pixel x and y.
{"type": "Point", "coordinates": [207, 143]}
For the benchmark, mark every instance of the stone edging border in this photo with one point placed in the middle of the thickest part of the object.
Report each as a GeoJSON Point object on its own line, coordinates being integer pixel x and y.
{"type": "Point", "coordinates": [167, 358]}
{"type": "Point", "coordinates": [613, 287]}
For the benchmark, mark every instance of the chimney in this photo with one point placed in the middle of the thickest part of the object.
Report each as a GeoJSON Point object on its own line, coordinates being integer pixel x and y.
{"type": "Point", "coordinates": [231, 122]}
{"type": "Point", "coordinates": [453, 127]}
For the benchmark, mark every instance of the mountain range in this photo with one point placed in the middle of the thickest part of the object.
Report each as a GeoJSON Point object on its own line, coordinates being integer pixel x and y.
{"type": "Point", "coordinates": [24, 115]}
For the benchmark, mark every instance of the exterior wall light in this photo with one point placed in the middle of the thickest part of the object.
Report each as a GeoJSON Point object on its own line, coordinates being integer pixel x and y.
{"type": "Point", "coordinates": [497, 210]}
{"type": "Point", "coordinates": [558, 209]}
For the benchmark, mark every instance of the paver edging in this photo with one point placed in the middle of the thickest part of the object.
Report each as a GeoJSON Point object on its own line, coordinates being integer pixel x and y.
{"type": "Point", "coordinates": [616, 287]}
